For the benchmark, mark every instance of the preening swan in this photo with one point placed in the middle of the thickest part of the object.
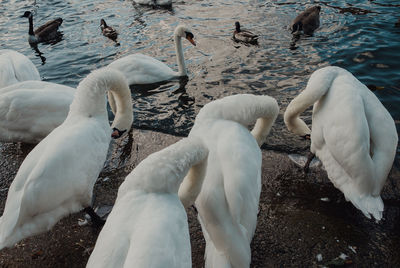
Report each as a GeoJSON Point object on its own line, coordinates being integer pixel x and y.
{"type": "Point", "coordinates": [142, 69]}
{"type": "Point", "coordinates": [16, 67]}
{"type": "Point", "coordinates": [229, 197]}
{"type": "Point", "coordinates": [307, 21]}
{"type": "Point", "coordinates": [352, 134]}
{"type": "Point", "coordinates": [148, 224]}
{"type": "Point", "coordinates": [46, 32]}
{"type": "Point", "coordinates": [57, 176]}
{"type": "Point", "coordinates": [244, 35]}
{"type": "Point", "coordinates": [30, 110]}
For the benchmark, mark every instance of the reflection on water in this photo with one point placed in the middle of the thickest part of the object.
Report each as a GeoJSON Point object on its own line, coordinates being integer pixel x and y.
{"type": "Point", "coordinates": [360, 36]}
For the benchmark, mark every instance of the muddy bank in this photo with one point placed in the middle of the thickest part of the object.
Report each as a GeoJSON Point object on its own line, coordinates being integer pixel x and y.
{"type": "Point", "coordinates": [300, 216]}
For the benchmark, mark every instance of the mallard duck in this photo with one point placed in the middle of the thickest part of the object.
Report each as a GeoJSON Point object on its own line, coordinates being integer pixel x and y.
{"type": "Point", "coordinates": [46, 32]}
{"type": "Point", "coordinates": [143, 69]}
{"type": "Point", "coordinates": [307, 21]}
{"type": "Point", "coordinates": [352, 134]}
{"type": "Point", "coordinates": [108, 31]}
{"type": "Point", "coordinates": [244, 35]}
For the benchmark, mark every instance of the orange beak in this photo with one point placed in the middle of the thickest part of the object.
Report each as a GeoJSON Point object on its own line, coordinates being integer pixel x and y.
{"type": "Point", "coordinates": [191, 40]}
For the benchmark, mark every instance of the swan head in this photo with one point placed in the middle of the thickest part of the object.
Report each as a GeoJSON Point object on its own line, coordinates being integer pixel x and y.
{"type": "Point", "coordinates": [183, 32]}
{"type": "Point", "coordinates": [117, 133]}
{"type": "Point", "coordinates": [27, 14]}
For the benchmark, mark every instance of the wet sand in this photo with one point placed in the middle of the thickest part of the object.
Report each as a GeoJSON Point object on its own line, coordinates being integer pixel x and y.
{"type": "Point", "coordinates": [294, 223]}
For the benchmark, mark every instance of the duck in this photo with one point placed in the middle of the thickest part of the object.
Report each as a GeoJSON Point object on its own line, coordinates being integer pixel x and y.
{"type": "Point", "coordinates": [16, 67]}
{"type": "Point", "coordinates": [46, 32]}
{"type": "Point", "coordinates": [227, 201]}
{"type": "Point", "coordinates": [244, 36]}
{"type": "Point", "coordinates": [307, 21]}
{"type": "Point", "coordinates": [352, 134]}
{"type": "Point", "coordinates": [57, 176]}
{"type": "Point", "coordinates": [148, 225]}
{"type": "Point", "coordinates": [108, 31]}
{"type": "Point", "coordinates": [161, 3]}
{"type": "Point", "coordinates": [30, 110]}
{"type": "Point", "coordinates": [143, 69]}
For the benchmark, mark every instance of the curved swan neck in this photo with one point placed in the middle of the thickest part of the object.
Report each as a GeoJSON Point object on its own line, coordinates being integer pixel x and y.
{"type": "Point", "coordinates": [90, 97]}
{"type": "Point", "coordinates": [179, 56]}
{"type": "Point", "coordinates": [292, 113]}
{"type": "Point", "coordinates": [192, 183]}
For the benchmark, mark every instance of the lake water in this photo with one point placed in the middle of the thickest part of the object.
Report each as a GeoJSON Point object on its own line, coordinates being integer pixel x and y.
{"type": "Point", "coordinates": [357, 35]}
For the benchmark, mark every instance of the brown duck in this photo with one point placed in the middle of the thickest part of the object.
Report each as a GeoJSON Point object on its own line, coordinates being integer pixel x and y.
{"type": "Point", "coordinates": [307, 21]}
{"type": "Point", "coordinates": [244, 35]}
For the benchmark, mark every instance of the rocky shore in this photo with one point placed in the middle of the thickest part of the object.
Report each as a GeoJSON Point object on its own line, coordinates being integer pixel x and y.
{"type": "Point", "coordinates": [303, 220]}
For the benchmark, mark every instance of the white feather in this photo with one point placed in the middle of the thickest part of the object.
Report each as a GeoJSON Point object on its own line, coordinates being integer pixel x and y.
{"type": "Point", "coordinates": [142, 69]}
{"type": "Point", "coordinates": [16, 67]}
{"type": "Point", "coordinates": [148, 224]}
{"type": "Point", "coordinates": [30, 110]}
{"type": "Point", "coordinates": [58, 175]}
{"type": "Point", "coordinates": [352, 133]}
{"type": "Point", "coordinates": [228, 201]}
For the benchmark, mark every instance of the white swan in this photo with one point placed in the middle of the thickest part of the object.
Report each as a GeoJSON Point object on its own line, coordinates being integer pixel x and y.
{"type": "Point", "coordinates": [148, 224]}
{"type": "Point", "coordinates": [229, 197]}
{"type": "Point", "coordinates": [352, 133]}
{"type": "Point", "coordinates": [57, 176]}
{"type": "Point", "coordinates": [30, 110]}
{"type": "Point", "coordinates": [16, 67]}
{"type": "Point", "coordinates": [142, 69]}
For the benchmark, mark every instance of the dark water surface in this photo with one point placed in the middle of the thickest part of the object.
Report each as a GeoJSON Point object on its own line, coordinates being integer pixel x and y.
{"type": "Point", "coordinates": [357, 35]}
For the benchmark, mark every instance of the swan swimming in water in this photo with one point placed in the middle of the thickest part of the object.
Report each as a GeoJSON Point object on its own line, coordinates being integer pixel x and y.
{"type": "Point", "coordinates": [142, 69]}
{"type": "Point", "coordinates": [46, 32]}
{"type": "Point", "coordinates": [148, 225]}
{"type": "Point", "coordinates": [228, 200]}
{"type": "Point", "coordinates": [57, 176]}
{"type": "Point", "coordinates": [30, 110]}
{"type": "Point", "coordinates": [16, 67]}
{"type": "Point", "coordinates": [352, 134]}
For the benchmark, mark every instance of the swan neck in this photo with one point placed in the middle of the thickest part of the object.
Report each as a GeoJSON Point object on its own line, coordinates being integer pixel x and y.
{"type": "Point", "coordinates": [179, 56]}
{"type": "Point", "coordinates": [90, 97]}
{"type": "Point", "coordinates": [293, 111]}
{"type": "Point", "coordinates": [31, 25]}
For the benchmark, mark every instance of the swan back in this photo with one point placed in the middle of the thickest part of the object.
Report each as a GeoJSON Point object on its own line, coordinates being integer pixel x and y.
{"type": "Point", "coordinates": [30, 110]}
{"type": "Point", "coordinates": [352, 133]}
{"type": "Point", "coordinates": [16, 67]}
{"type": "Point", "coordinates": [154, 232]}
{"type": "Point", "coordinates": [228, 200]}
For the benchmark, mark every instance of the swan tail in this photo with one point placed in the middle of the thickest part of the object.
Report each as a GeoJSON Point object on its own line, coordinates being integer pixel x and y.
{"type": "Point", "coordinates": [317, 86]}
{"type": "Point", "coordinates": [244, 109]}
{"type": "Point", "coordinates": [369, 205]}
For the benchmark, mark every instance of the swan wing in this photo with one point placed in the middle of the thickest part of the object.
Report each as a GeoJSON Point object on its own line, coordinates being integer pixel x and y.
{"type": "Point", "coordinates": [29, 115]}
{"type": "Point", "coordinates": [16, 67]}
{"type": "Point", "coordinates": [55, 179]}
{"type": "Point", "coordinates": [144, 230]}
{"type": "Point", "coordinates": [142, 69]}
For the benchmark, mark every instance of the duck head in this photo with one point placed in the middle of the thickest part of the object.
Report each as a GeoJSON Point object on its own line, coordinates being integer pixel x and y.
{"type": "Point", "coordinates": [27, 14]}
{"type": "Point", "coordinates": [237, 25]}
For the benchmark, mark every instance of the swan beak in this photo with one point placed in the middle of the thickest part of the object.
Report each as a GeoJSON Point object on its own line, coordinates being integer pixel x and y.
{"type": "Point", "coordinates": [190, 39]}
{"type": "Point", "coordinates": [117, 133]}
